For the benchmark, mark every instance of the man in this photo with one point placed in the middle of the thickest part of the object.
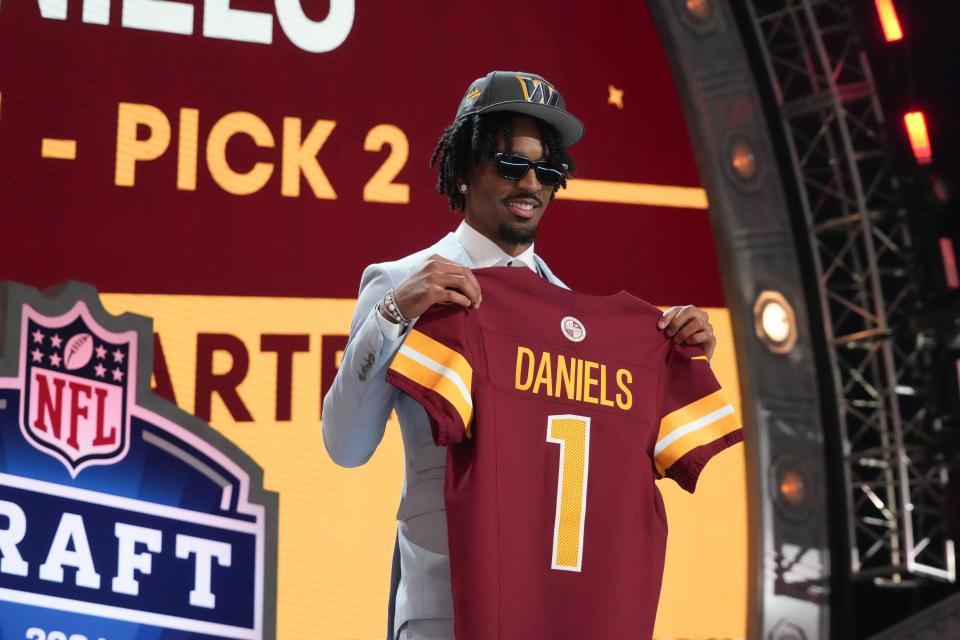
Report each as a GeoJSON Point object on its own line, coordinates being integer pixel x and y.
{"type": "Point", "coordinates": [500, 163]}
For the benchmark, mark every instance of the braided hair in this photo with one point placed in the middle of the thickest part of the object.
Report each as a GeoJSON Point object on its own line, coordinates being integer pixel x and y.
{"type": "Point", "coordinates": [470, 141]}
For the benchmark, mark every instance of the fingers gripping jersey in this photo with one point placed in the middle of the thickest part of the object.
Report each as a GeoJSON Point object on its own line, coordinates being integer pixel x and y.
{"type": "Point", "coordinates": [561, 410]}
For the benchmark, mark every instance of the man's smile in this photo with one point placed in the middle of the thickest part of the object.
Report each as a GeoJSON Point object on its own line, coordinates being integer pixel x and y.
{"type": "Point", "coordinates": [523, 206]}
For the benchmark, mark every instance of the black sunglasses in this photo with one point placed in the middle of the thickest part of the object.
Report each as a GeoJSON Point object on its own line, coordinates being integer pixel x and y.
{"type": "Point", "coordinates": [513, 167]}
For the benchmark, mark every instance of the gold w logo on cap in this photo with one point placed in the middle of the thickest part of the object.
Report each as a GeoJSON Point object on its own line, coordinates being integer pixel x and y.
{"type": "Point", "coordinates": [537, 90]}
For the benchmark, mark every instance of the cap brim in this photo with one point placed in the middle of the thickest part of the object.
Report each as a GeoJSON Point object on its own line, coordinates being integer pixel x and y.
{"type": "Point", "coordinates": [569, 127]}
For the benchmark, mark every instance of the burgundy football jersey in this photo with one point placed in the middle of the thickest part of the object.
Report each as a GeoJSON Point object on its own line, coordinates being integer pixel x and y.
{"type": "Point", "coordinates": [559, 410]}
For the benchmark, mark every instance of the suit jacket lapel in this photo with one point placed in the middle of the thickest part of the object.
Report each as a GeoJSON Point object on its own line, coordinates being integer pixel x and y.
{"type": "Point", "coordinates": [547, 274]}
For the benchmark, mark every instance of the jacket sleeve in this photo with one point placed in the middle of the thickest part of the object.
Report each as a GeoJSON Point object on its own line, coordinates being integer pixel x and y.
{"type": "Point", "coordinates": [356, 409]}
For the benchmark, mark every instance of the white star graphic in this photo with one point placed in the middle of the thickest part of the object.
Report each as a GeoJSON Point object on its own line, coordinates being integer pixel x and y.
{"type": "Point", "coordinates": [118, 356]}
{"type": "Point", "coordinates": [56, 340]}
{"type": "Point", "coordinates": [117, 375]}
{"type": "Point", "coordinates": [101, 352]}
{"type": "Point", "coordinates": [37, 355]}
{"type": "Point", "coordinates": [100, 370]}
{"type": "Point", "coordinates": [38, 336]}
{"type": "Point", "coordinates": [55, 360]}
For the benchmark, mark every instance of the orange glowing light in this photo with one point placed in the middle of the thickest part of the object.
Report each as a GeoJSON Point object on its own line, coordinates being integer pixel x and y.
{"type": "Point", "coordinates": [744, 161]}
{"type": "Point", "coordinates": [792, 488]}
{"type": "Point", "coordinates": [700, 9]}
{"type": "Point", "coordinates": [889, 20]}
{"type": "Point", "coordinates": [919, 140]}
{"type": "Point", "coordinates": [949, 263]}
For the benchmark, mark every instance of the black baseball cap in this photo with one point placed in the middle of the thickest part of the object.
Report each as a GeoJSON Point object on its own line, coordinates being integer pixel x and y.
{"type": "Point", "coordinates": [525, 93]}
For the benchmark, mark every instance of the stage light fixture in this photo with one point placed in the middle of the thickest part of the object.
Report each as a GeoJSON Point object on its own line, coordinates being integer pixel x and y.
{"type": "Point", "coordinates": [919, 139]}
{"type": "Point", "coordinates": [949, 263]}
{"type": "Point", "coordinates": [940, 189]}
{"type": "Point", "coordinates": [702, 10]}
{"type": "Point", "coordinates": [775, 321]}
{"type": "Point", "coordinates": [791, 487]}
{"type": "Point", "coordinates": [743, 160]}
{"type": "Point", "coordinates": [889, 20]}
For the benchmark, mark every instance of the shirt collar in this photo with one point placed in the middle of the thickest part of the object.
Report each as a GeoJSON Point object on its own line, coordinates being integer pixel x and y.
{"type": "Point", "coordinates": [485, 253]}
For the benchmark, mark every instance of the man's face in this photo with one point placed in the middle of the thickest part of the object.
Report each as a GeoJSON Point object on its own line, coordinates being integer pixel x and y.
{"type": "Point", "coordinates": [508, 211]}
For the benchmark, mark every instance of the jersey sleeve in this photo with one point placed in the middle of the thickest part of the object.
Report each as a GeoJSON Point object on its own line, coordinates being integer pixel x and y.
{"type": "Point", "coordinates": [432, 367]}
{"type": "Point", "coordinates": [696, 420]}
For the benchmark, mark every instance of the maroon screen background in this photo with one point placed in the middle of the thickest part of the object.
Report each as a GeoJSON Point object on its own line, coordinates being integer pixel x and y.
{"type": "Point", "coordinates": [406, 64]}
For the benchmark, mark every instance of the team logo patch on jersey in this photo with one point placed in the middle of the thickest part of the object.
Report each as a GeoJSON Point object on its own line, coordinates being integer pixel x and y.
{"type": "Point", "coordinates": [573, 329]}
{"type": "Point", "coordinates": [121, 516]}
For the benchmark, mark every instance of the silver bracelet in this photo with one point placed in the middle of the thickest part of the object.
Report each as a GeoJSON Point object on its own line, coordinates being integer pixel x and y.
{"type": "Point", "coordinates": [390, 305]}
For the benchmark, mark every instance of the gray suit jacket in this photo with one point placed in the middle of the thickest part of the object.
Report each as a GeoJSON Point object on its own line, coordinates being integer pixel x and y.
{"type": "Point", "coordinates": [355, 413]}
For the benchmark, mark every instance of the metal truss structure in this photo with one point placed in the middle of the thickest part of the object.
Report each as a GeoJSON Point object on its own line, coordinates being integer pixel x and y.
{"type": "Point", "coordinates": [894, 471]}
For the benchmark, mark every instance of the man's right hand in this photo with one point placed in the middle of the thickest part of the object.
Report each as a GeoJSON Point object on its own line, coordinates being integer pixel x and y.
{"type": "Point", "coordinates": [436, 281]}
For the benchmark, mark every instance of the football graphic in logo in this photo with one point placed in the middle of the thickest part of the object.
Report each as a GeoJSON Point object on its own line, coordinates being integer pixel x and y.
{"type": "Point", "coordinates": [573, 329]}
{"type": "Point", "coordinates": [78, 351]}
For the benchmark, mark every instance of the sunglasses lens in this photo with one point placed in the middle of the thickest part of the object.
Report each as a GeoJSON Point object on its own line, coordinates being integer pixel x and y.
{"type": "Point", "coordinates": [549, 175]}
{"type": "Point", "coordinates": [514, 167]}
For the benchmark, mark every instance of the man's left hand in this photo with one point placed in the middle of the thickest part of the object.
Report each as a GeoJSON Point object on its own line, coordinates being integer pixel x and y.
{"type": "Point", "coordinates": [689, 325]}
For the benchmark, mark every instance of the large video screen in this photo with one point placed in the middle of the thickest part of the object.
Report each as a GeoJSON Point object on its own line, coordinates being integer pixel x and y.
{"type": "Point", "coordinates": [229, 167]}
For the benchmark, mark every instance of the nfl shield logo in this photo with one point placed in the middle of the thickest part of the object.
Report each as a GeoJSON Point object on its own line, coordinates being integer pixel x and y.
{"type": "Point", "coordinates": [78, 381]}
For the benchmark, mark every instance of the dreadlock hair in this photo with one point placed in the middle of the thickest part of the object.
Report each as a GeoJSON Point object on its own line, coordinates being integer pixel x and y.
{"type": "Point", "coordinates": [470, 141]}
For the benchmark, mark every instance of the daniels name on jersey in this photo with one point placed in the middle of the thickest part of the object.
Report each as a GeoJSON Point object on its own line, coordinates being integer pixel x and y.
{"type": "Point", "coordinates": [561, 410]}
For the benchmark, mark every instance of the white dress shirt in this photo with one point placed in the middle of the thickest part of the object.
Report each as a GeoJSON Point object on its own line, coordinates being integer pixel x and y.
{"type": "Point", "coordinates": [485, 253]}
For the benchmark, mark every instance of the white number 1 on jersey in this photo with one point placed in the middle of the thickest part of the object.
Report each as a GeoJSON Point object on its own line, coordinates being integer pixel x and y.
{"type": "Point", "coordinates": [572, 433]}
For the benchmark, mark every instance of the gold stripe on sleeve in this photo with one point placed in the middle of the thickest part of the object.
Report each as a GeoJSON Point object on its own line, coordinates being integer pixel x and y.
{"type": "Point", "coordinates": [441, 354]}
{"type": "Point", "coordinates": [698, 423]}
{"type": "Point", "coordinates": [436, 376]}
{"type": "Point", "coordinates": [689, 413]}
{"type": "Point", "coordinates": [688, 442]}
